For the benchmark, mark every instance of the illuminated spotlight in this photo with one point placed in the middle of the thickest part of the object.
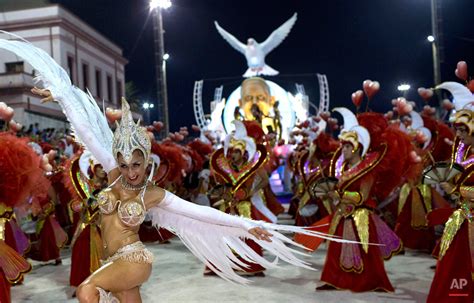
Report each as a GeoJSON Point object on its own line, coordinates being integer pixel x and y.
{"type": "Point", "coordinates": [147, 105]}
{"type": "Point", "coordinates": [430, 38]}
{"type": "Point", "coordinates": [404, 87]}
{"type": "Point", "coordinates": [160, 3]}
{"type": "Point", "coordinates": [166, 57]}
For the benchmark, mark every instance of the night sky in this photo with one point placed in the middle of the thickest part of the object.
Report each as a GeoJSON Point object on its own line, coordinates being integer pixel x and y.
{"type": "Point", "coordinates": [349, 41]}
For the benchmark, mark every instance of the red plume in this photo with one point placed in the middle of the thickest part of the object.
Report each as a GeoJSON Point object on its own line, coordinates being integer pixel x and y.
{"type": "Point", "coordinates": [255, 131]}
{"type": "Point", "coordinates": [395, 164]}
{"type": "Point", "coordinates": [376, 124]}
{"type": "Point", "coordinates": [20, 172]}
{"type": "Point", "coordinates": [325, 145]}
{"type": "Point", "coordinates": [202, 148]}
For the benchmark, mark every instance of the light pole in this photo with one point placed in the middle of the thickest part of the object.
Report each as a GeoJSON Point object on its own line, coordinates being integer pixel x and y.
{"type": "Point", "coordinates": [164, 93]}
{"type": "Point", "coordinates": [147, 107]}
{"type": "Point", "coordinates": [160, 65]}
{"type": "Point", "coordinates": [436, 41]}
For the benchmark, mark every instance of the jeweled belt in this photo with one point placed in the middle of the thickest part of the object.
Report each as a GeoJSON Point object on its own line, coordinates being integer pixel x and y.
{"type": "Point", "coordinates": [135, 253]}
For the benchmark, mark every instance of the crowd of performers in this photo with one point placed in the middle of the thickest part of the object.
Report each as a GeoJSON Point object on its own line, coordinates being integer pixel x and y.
{"type": "Point", "coordinates": [390, 181]}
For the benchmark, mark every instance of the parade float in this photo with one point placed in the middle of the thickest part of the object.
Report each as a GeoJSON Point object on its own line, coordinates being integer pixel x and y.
{"type": "Point", "coordinates": [278, 105]}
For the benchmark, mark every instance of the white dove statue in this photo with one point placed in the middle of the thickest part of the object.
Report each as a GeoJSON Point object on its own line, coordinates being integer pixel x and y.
{"type": "Point", "coordinates": [255, 52]}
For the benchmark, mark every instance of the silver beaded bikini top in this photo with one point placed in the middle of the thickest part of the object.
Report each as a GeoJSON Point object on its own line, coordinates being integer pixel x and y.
{"type": "Point", "coordinates": [131, 212]}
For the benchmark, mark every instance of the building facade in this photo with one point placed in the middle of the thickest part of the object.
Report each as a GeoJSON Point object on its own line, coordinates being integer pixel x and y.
{"type": "Point", "coordinates": [92, 61]}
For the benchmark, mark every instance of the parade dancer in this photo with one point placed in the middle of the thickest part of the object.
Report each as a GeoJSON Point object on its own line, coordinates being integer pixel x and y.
{"type": "Point", "coordinates": [50, 236]}
{"type": "Point", "coordinates": [85, 179]}
{"type": "Point", "coordinates": [313, 166]}
{"type": "Point", "coordinates": [417, 200]}
{"type": "Point", "coordinates": [239, 165]}
{"type": "Point", "coordinates": [453, 280]}
{"type": "Point", "coordinates": [357, 267]}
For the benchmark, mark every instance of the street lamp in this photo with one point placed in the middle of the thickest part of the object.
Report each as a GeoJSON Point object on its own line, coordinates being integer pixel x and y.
{"type": "Point", "coordinates": [147, 107]}
{"type": "Point", "coordinates": [403, 87]}
{"type": "Point", "coordinates": [156, 6]}
{"type": "Point", "coordinates": [160, 3]}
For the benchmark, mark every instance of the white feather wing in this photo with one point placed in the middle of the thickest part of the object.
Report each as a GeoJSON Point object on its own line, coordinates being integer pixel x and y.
{"type": "Point", "coordinates": [87, 120]}
{"type": "Point", "coordinates": [215, 238]}
{"type": "Point", "coordinates": [234, 42]}
{"type": "Point", "coordinates": [215, 244]}
{"type": "Point", "coordinates": [278, 35]}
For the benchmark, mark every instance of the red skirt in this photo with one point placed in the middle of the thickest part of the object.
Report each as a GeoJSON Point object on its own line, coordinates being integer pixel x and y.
{"type": "Point", "coordinates": [452, 281]}
{"type": "Point", "coordinates": [4, 289]}
{"type": "Point", "coordinates": [422, 239]}
{"type": "Point", "coordinates": [371, 277]}
{"type": "Point", "coordinates": [80, 258]}
{"type": "Point", "coordinates": [49, 241]}
{"type": "Point", "coordinates": [48, 248]}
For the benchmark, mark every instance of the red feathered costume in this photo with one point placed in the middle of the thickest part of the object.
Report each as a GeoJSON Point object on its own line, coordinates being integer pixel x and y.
{"type": "Point", "coordinates": [20, 177]}
{"type": "Point", "coordinates": [203, 149]}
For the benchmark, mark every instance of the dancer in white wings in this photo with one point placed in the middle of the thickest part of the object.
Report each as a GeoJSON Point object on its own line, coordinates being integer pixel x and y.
{"type": "Point", "coordinates": [211, 235]}
{"type": "Point", "coordinates": [255, 52]}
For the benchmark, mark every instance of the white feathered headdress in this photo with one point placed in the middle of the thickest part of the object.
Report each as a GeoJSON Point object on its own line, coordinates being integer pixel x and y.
{"type": "Point", "coordinates": [352, 131]}
{"type": "Point", "coordinates": [417, 124]}
{"type": "Point", "coordinates": [463, 101]}
{"type": "Point", "coordinates": [462, 96]}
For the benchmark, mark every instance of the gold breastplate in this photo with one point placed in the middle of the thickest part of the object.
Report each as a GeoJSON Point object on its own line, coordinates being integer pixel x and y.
{"type": "Point", "coordinates": [130, 212]}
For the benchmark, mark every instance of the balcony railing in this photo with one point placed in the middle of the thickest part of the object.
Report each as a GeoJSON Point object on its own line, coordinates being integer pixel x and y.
{"type": "Point", "coordinates": [16, 80]}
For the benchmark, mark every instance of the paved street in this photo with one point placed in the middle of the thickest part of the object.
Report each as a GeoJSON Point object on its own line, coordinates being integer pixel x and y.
{"type": "Point", "coordinates": [177, 277]}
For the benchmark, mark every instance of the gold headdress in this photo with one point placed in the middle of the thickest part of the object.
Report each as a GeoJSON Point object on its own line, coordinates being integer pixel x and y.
{"type": "Point", "coordinates": [130, 136]}
{"type": "Point", "coordinates": [463, 101]}
{"type": "Point", "coordinates": [352, 132]}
